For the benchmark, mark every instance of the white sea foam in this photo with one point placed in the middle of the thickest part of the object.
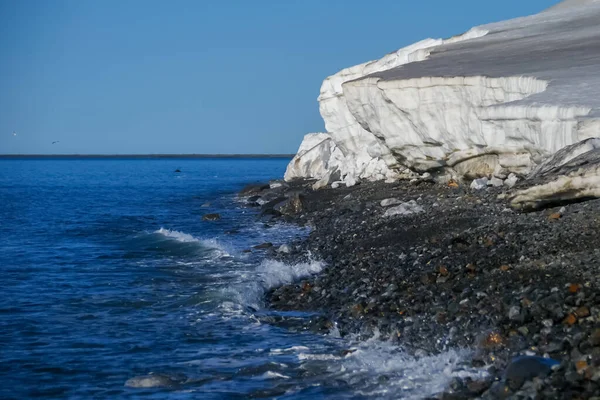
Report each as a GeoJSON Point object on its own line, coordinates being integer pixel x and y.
{"type": "Point", "coordinates": [416, 377]}
{"type": "Point", "coordinates": [274, 375]}
{"type": "Point", "coordinates": [182, 237]}
{"type": "Point", "coordinates": [293, 349]}
{"type": "Point", "coordinates": [269, 274]}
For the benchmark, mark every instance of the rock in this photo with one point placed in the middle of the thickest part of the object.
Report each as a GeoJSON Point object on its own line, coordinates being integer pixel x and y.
{"type": "Point", "coordinates": [575, 181]}
{"type": "Point", "coordinates": [211, 217]}
{"type": "Point", "coordinates": [284, 248]}
{"type": "Point", "coordinates": [524, 368]}
{"type": "Point", "coordinates": [511, 180]}
{"type": "Point", "coordinates": [554, 216]}
{"type": "Point", "coordinates": [177, 170]}
{"type": "Point", "coordinates": [390, 202]}
{"type": "Point", "coordinates": [263, 246]}
{"type": "Point", "coordinates": [514, 313]}
{"type": "Point", "coordinates": [253, 189]}
{"type": "Point", "coordinates": [495, 182]}
{"type": "Point", "coordinates": [478, 184]}
{"type": "Point", "coordinates": [294, 204]}
{"type": "Point", "coordinates": [595, 337]}
{"type": "Point", "coordinates": [407, 208]}
{"type": "Point", "coordinates": [277, 184]}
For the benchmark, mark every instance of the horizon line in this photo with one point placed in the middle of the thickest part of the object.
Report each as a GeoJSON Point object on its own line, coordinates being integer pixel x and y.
{"type": "Point", "coordinates": [151, 155]}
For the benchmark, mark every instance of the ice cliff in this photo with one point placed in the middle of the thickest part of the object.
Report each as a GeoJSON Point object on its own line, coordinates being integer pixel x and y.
{"type": "Point", "coordinates": [496, 100]}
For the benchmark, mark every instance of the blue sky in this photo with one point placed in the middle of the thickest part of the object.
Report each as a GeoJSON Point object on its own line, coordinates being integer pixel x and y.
{"type": "Point", "coordinates": [196, 76]}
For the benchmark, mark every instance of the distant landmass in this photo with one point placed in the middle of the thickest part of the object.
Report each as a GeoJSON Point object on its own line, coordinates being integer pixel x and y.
{"type": "Point", "coordinates": [146, 156]}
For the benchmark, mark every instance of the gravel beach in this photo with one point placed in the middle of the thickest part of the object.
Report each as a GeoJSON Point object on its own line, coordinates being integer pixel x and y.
{"type": "Point", "coordinates": [434, 267]}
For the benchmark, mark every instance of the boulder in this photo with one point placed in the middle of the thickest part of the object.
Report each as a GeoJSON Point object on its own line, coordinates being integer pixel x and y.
{"type": "Point", "coordinates": [253, 189]}
{"type": "Point", "coordinates": [568, 177]}
{"type": "Point", "coordinates": [292, 205]}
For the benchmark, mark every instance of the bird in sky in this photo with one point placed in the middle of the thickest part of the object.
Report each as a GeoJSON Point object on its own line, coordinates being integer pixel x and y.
{"type": "Point", "coordinates": [14, 133]}
{"type": "Point", "coordinates": [56, 141]}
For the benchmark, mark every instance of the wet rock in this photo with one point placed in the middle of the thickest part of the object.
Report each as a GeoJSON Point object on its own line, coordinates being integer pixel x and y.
{"type": "Point", "coordinates": [253, 189]}
{"type": "Point", "coordinates": [211, 217]}
{"type": "Point", "coordinates": [263, 246]}
{"type": "Point", "coordinates": [292, 205]}
{"type": "Point", "coordinates": [284, 248]}
{"type": "Point", "coordinates": [524, 368]}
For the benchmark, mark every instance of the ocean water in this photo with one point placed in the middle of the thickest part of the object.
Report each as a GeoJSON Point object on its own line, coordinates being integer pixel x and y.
{"type": "Point", "coordinates": [112, 286]}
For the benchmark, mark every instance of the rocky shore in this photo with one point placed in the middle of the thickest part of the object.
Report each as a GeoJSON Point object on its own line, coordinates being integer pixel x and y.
{"type": "Point", "coordinates": [434, 267]}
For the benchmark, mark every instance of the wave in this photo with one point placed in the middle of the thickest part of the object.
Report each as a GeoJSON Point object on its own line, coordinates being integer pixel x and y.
{"type": "Point", "coordinates": [368, 362]}
{"type": "Point", "coordinates": [268, 275]}
{"type": "Point", "coordinates": [178, 243]}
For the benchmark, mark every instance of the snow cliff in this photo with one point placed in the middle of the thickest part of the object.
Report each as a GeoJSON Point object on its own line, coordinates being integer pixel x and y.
{"type": "Point", "coordinates": [493, 101]}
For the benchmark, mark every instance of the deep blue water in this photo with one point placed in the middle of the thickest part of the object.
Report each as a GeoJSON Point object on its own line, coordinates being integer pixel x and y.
{"type": "Point", "coordinates": [109, 273]}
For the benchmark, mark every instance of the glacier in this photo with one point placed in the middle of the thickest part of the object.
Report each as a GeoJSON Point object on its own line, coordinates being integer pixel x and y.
{"type": "Point", "coordinates": [494, 101]}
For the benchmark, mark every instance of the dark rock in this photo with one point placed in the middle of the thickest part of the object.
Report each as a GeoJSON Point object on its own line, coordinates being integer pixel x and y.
{"type": "Point", "coordinates": [524, 368]}
{"type": "Point", "coordinates": [211, 217]}
{"type": "Point", "coordinates": [292, 205]}
{"type": "Point", "coordinates": [253, 189]}
{"type": "Point", "coordinates": [265, 245]}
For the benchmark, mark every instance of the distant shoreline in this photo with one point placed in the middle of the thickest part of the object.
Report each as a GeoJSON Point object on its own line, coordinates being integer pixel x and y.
{"type": "Point", "coordinates": [146, 156]}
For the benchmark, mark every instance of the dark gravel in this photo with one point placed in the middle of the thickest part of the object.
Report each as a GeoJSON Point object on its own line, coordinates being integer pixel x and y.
{"type": "Point", "coordinates": [467, 272]}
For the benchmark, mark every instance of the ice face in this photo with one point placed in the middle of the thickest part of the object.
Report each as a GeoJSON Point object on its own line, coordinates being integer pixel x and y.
{"type": "Point", "coordinates": [512, 92]}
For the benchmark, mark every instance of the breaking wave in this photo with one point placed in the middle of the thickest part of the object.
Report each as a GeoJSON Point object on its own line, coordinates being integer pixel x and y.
{"type": "Point", "coordinates": [269, 274]}
{"type": "Point", "coordinates": [178, 243]}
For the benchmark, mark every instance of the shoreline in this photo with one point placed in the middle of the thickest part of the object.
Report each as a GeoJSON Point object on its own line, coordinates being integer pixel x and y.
{"type": "Point", "coordinates": [463, 271]}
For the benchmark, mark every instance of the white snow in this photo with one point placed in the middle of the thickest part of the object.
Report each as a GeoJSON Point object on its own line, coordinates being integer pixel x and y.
{"type": "Point", "coordinates": [494, 101]}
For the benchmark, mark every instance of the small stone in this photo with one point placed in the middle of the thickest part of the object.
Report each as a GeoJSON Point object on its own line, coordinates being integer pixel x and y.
{"type": "Point", "coordinates": [514, 313]}
{"type": "Point", "coordinates": [492, 340]}
{"type": "Point", "coordinates": [595, 337]}
{"type": "Point", "coordinates": [554, 216]}
{"type": "Point", "coordinates": [581, 366]}
{"type": "Point", "coordinates": [211, 217]}
{"type": "Point", "coordinates": [570, 319]}
{"type": "Point", "coordinates": [582, 312]}
{"type": "Point", "coordinates": [574, 288]}
{"type": "Point", "coordinates": [523, 330]}
{"type": "Point", "coordinates": [504, 268]}
{"type": "Point", "coordinates": [443, 271]}
{"type": "Point", "coordinates": [479, 184]}
{"type": "Point", "coordinates": [453, 184]}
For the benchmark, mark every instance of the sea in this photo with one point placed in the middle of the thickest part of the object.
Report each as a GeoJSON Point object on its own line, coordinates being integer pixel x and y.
{"type": "Point", "coordinates": [112, 286]}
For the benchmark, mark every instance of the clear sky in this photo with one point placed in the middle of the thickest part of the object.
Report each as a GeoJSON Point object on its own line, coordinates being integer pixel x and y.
{"type": "Point", "coordinates": [197, 76]}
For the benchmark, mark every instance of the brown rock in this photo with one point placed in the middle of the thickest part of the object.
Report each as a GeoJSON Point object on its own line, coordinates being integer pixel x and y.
{"type": "Point", "coordinates": [581, 366]}
{"type": "Point", "coordinates": [595, 337]}
{"type": "Point", "coordinates": [504, 268]}
{"type": "Point", "coordinates": [453, 184]}
{"type": "Point", "coordinates": [570, 319]}
{"type": "Point", "coordinates": [443, 270]}
{"type": "Point", "coordinates": [574, 287]}
{"type": "Point", "coordinates": [554, 216]}
{"type": "Point", "coordinates": [582, 312]}
{"type": "Point", "coordinates": [492, 340]}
